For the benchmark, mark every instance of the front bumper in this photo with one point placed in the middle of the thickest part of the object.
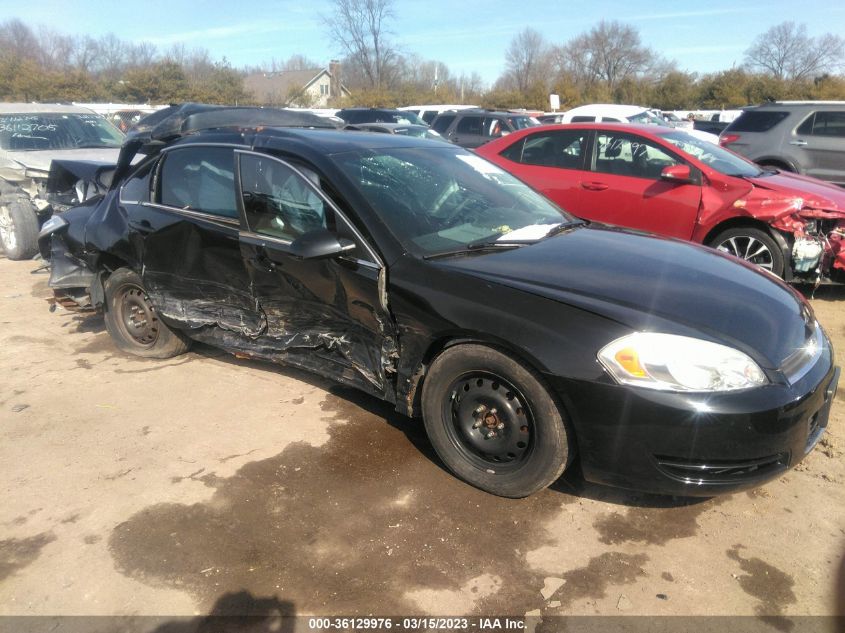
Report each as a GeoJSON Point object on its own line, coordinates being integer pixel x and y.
{"type": "Point", "coordinates": [697, 444]}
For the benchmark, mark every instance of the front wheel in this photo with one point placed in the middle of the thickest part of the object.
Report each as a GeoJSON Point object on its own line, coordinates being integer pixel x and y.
{"type": "Point", "coordinates": [493, 423]}
{"type": "Point", "coordinates": [753, 245]}
{"type": "Point", "coordinates": [18, 229]}
{"type": "Point", "coordinates": [132, 320]}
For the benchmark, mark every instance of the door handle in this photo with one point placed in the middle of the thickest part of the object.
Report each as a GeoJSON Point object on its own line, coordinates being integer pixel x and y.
{"type": "Point", "coordinates": [799, 143]}
{"type": "Point", "coordinates": [594, 186]}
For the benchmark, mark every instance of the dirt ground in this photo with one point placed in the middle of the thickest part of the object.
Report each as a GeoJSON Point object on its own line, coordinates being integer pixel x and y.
{"type": "Point", "coordinates": [134, 487]}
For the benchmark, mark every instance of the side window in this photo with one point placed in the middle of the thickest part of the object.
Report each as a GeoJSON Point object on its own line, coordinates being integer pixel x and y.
{"type": "Point", "coordinates": [429, 116]}
{"type": "Point", "coordinates": [443, 122]}
{"type": "Point", "coordinates": [137, 186]}
{"type": "Point", "coordinates": [563, 149]}
{"type": "Point", "coordinates": [494, 127]}
{"type": "Point", "coordinates": [277, 200]}
{"type": "Point", "coordinates": [829, 124]}
{"type": "Point", "coordinates": [200, 179]}
{"type": "Point", "coordinates": [582, 119]}
{"type": "Point", "coordinates": [514, 152]}
{"type": "Point", "coordinates": [807, 126]}
{"type": "Point", "coordinates": [628, 155]}
{"type": "Point", "coordinates": [470, 125]}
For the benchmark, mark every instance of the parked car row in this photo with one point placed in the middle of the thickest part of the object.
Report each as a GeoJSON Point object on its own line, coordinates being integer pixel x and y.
{"type": "Point", "coordinates": [425, 275]}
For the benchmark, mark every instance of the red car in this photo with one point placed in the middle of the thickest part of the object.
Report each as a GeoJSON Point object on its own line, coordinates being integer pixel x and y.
{"type": "Point", "coordinates": [667, 182]}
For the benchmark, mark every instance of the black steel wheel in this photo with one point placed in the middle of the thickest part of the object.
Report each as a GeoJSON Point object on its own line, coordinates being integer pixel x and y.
{"type": "Point", "coordinates": [132, 320]}
{"type": "Point", "coordinates": [493, 422]}
{"type": "Point", "coordinates": [753, 245]}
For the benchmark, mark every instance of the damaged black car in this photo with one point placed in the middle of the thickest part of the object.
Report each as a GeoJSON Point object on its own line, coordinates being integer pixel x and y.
{"type": "Point", "coordinates": [422, 274]}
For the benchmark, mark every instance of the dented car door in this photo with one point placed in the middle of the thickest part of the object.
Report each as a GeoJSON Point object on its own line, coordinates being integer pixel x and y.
{"type": "Point", "coordinates": [326, 314]}
{"type": "Point", "coordinates": [188, 244]}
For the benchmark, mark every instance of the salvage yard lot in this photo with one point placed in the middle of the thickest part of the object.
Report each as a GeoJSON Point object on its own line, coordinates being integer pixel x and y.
{"type": "Point", "coordinates": [135, 486]}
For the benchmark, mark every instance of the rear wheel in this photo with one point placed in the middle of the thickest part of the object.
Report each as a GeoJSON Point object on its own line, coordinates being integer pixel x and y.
{"type": "Point", "coordinates": [493, 423]}
{"type": "Point", "coordinates": [18, 229]}
{"type": "Point", "coordinates": [132, 321]}
{"type": "Point", "coordinates": [753, 245]}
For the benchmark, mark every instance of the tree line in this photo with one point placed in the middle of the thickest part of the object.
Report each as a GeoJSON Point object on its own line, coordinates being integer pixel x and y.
{"type": "Point", "coordinates": [607, 63]}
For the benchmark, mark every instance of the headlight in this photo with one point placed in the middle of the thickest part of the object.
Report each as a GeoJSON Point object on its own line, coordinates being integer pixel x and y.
{"type": "Point", "coordinates": [679, 363]}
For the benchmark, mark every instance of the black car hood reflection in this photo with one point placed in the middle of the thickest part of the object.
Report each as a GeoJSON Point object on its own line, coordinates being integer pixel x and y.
{"type": "Point", "coordinates": [621, 275]}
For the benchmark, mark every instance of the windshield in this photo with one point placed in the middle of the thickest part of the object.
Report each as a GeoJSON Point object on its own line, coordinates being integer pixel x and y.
{"type": "Point", "coordinates": [27, 132]}
{"type": "Point", "coordinates": [713, 156]}
{"type": "Point", "coordinates": [647, 118]}
{"type": "Point", "coordinates": [436, 200]}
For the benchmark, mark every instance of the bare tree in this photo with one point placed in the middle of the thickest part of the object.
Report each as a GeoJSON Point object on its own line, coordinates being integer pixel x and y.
{"type": "Point", "coordinates": [85, 53]}
{"type": "Point", "coordinates": [359, 27]}
{"type": "Point", "coordinates": [54, 49]}
{"type": "Point", "coordinates": [787, 52]}
{"type": "Point", "coordinates": [18, 40]}
{"type": "Point", "coordinates": [142, 54]}
{"type": "Point", "coordinates": [528, 60]}
{"type": "Point", "coordinates": [610, 53]}
{"type": "Point", "coordinates": [111, 56]}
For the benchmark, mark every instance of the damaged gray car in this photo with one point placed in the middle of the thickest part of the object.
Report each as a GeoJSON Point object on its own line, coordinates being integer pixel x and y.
{"type": "Point", "coordinates": [34, 138]}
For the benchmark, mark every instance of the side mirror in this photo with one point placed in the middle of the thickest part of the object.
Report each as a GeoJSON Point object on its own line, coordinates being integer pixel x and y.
{"type": "Point", "coordinates": [676, 173]}
{"type": "Point", "coordinates": [320, 244]}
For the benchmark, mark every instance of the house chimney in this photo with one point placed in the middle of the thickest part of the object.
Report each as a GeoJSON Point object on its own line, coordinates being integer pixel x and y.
{"type": "Point", "coordinates": [334, 70]}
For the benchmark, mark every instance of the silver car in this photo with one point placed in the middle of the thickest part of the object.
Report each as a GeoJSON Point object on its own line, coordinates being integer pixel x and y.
{"type": "Point", "coordinates": [32, 136]}
{"type": "Point", "coordinates": [805, 137]}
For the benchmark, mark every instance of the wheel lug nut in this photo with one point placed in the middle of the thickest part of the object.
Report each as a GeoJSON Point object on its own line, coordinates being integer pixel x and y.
{"type": "Point", "coordinates": [491, 435]}
{"type": "Point", "coordinates": [500, 425]}
{"type": "Point", "coordinates": [477, 425]}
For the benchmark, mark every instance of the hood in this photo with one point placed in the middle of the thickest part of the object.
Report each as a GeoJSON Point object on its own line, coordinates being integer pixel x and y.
{"type": "Point", "coordinates": [655, 284]}
{"type": "Point", "coordinates": [815, 193]}
{"type": "Point", "coordinates": [41, 159]}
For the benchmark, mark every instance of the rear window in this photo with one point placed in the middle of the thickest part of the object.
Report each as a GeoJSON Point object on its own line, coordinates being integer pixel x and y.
{"type": "Point", "coordinates": [757, 121]}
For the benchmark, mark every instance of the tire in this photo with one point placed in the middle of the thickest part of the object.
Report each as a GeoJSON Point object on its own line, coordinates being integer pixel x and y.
{"type": "Point", "coordinates": [777, 165]}
{"type": "Point", "coordinates": [753, 245]}
{"type": "Point", "coordinates": [132, 322]}
{"type": "Point", "coordinates": [18, 228]}
{"type": "Point", "coordinates": [473, 390]}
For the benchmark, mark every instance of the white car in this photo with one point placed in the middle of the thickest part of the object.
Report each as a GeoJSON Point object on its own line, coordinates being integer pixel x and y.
{"type": "Point", "coordinates": [429, 112]}
{"type": "Point", "coordinates": [610, 112]}
{"type": "Point", "coordinates": [32, 136]}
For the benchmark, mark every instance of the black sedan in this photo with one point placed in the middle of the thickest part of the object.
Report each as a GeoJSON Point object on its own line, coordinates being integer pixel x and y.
{"type": "Point", "coordinates": [426, 276]}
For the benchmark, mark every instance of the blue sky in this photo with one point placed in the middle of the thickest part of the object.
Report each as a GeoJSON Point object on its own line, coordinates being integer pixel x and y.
{"type": "Point", "coordinates": [467, 35]}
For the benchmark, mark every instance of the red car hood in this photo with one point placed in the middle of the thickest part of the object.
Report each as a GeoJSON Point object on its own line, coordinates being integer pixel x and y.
{"type": "Point", "coordinates": [816, 194]}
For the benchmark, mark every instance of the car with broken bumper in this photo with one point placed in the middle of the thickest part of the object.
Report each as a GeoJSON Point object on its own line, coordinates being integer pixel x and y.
{"type": "Point", "coordinates": [428, 277]}
{"type": "Point", "coordinates": [668, 182]}
{"type": "Point", "coordinates": [34, 139]}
